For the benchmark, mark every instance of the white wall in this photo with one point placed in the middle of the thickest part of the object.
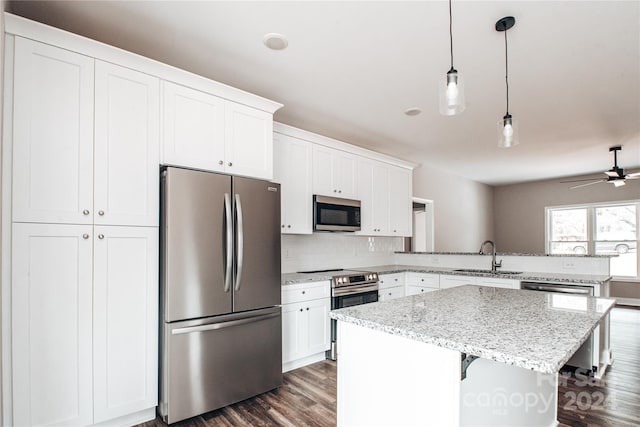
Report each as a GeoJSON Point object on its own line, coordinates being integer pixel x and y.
{"type": "Point", "coordinates": [463, 209]}
{"type": "Point", "coordinates": [519, 208]}
{"type": "Point", "coordinates": [321, 251]}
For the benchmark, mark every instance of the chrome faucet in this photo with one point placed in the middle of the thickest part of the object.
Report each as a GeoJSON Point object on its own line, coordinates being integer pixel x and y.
{"type": "Point", "coordinates": [494, 264]}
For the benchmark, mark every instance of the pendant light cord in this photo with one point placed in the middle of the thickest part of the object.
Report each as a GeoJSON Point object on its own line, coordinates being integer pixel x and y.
{"type": "Point", "coordinates": [506, 67]}
{"type": "Point", "coordinates": [451, 34]}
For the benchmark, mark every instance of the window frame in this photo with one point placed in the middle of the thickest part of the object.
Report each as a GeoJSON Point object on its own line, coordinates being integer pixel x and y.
{"type": "Point", "coordinates": [591, 229]}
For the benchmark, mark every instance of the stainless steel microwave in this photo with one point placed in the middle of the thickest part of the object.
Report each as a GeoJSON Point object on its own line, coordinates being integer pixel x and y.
{"type": "Point", "coordinates": [335, 214]}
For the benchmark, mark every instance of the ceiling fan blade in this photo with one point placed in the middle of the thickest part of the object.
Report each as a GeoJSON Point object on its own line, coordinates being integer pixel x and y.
{"type": "Point", "coordinates": [634, 175]}
{"type": "Point", "coordinates": [587, 184]}
{"type": "Point", "coordinates": [580, 180]}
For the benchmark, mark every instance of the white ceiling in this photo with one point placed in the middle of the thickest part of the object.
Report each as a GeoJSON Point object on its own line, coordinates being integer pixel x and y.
{"type": "Point", "coordinates": [352, 68]}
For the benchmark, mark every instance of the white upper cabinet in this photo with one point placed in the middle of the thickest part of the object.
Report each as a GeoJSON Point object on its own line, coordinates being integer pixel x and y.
{"type": "Point", "coordinates": [292, 169]}
{"type": "Point", "coordinates": [373, 191]}
{"type": "Point", "coordinates": [125, 327]}
{"type": "Point", "coordinates": [52, 134]}
{"type": "Point", "coordinates": [206, 132]}
{"type": "Point", "coordinates": [248, 141]}
{"type": "Point", "coordinates": [193, 128]}
{"type": "Point", "coordinates": [127, 146]}
{"type": "Point", "coordinates": [51, 309]}
{"type": "Point", "coordinates": [334, 173]}
{"type": "Point", "coordinates": [400, 201]}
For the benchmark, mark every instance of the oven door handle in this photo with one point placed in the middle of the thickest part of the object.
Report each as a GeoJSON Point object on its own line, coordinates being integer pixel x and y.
{"type": "Point", "coordinates": [350, 290]}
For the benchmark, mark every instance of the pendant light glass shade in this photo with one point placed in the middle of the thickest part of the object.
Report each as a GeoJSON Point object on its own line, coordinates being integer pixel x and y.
{"type": "Point", "coordinates": [507, 127]}
{"type": "Point", "coordinates": [452, 94]}
{"type": "Point", "coordinates": [451, 90]}
{"type": "Point", "coordinates": [508, 132]}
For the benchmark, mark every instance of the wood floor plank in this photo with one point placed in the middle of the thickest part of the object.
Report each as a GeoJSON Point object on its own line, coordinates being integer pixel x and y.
{"type": "Point", "coordinates": [308, 395]}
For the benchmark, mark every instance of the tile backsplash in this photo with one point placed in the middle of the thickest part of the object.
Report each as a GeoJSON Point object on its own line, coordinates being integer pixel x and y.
{"type": "Point", "coordinates": [336, 250]}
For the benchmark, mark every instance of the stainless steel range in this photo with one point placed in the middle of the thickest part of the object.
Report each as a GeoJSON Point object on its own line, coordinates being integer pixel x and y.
{"type": "Point", "coordinates": [349, 288]}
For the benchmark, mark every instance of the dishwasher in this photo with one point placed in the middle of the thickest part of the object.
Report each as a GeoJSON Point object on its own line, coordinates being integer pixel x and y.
{"type": "Point", "coordinates": [586, 356]}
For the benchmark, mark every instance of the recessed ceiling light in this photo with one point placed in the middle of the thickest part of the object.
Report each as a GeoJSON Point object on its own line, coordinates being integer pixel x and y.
{"type": "Point", "coordinates": [275, 41]}
{"type": "Point", "coordinates": [414, 111]}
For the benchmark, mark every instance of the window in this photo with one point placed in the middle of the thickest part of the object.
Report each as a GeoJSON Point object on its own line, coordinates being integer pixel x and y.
{"type": "Point", "coordinates": [600, 229]}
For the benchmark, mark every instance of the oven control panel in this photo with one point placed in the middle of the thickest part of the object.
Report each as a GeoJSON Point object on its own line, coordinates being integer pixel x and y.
{"type": "Point", "coordinates": [355, 279]}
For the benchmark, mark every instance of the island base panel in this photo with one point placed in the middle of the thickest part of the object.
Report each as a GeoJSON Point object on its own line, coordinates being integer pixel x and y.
{"type": "Point", "coordinates": [385, 379]}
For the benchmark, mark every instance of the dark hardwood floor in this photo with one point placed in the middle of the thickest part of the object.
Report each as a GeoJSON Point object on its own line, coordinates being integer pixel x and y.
{"type": "Point", "coordinates": [308, 395]}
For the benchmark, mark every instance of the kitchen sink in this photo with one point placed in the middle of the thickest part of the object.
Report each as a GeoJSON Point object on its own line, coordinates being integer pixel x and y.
{"type": "Point", "coordinates": [471, 270]}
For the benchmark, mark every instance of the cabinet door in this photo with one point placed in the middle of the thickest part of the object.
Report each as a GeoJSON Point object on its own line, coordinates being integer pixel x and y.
{"type": "Point", "coordinates": [294, 326]}
{"type": "Point", "coordinates": [380, 203]}
{"type": "Point", "coordinates": [125, 342]}
{"type": "Point", "coordinates": [400, 201]}
{"type": "Point", "coordinates": [52, 135]}
{"type": "Point", "coordinates": [323, 171]}
{"type": "Point", "coordinates": [51, 325]}
{"type": "Point", "coordinates": [193, 131]}
{"type": "Point", "coordinates": [344, 174]}
{"type": "Point", "coordinates": [319, 326]}
{"type": "Point", "coordinates": [387, 294]}
{"type": "Point", "coordinates": [127, 146]}
{"type": "Point", "coordinates": [248, 141]}
{"type": "Point", "coordinates": [292, 169]}
{"type": "Point", "coordinates": [365, 193]}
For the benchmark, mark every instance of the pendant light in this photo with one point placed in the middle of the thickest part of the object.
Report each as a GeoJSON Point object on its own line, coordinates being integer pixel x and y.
{"type": "Point", "coordinates": [452, 93]}
{"type": "Point", "coordinates": [507, 127]}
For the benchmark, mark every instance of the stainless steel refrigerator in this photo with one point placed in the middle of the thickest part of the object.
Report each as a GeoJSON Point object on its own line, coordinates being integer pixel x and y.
{"type": "Point", "coordinates": [221, 325]}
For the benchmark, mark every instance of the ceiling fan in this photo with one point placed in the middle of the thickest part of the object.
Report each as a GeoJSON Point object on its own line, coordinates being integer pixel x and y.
{"type": "Point", "coordinates": [615, 175]}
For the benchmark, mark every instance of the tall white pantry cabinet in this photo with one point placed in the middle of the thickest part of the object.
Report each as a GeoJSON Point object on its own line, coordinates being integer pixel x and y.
{"type": "Point", "coordinates": [84, 288]}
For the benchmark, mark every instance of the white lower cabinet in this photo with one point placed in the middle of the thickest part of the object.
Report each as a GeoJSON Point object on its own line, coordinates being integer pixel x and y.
{"type": "Point", "coordinates": [387, 294]}
{"type": "Point", "coordinates": [84, 322]}
{"type": "Point", "coordinates": [125, 319]}
{"type": "Point", "coordinates": [498, 283]}
{"type": "Point", "coordinates": [306, 327]}
{"type": "Point", "coordinates": [391, 286]}
{"type": "Point", "coordinates": [450, 281]}
{"type": "Point", "coordinates": [416, 290]}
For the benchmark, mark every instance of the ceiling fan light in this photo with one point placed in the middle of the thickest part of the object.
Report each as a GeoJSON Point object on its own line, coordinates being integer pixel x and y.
{"type": "Point", "coordinates": [508, 135]}
{"type": "Point", "coordinates": [619, 183]}
{"type": "Point", "coordinates": [452, 94]}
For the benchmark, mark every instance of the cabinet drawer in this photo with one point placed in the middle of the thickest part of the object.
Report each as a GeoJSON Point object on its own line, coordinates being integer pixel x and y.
{"type": "Point", "coordinates": [415, 290]}
{"type": "Point", "coordinates": [305, 292]}
{"type": "Point", "coordinates": [390, 293]}
{"type": "Point", "coordinates": [423, 279]}
{"type": "Point", "coordinates": [391, 280]}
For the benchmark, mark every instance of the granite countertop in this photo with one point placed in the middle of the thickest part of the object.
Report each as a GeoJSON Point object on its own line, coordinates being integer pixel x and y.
{"type": "Point", "coordinates": [509, 254]}
{"type": "Point", "coordinates": [532, 330]}
{"type": "Point", "coordinates": [588, 279]}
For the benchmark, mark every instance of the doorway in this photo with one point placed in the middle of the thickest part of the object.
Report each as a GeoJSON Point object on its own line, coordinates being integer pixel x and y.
{"type": "Point", "coordinates": [423, 226]}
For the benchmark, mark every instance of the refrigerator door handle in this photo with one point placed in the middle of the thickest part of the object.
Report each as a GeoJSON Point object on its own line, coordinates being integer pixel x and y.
{"type": "Point", "coordinates": [229, 248]}
{"type": "Point", "coordinates": [222, 325]}
{"type": "Point", "coordinates": [240, 242]}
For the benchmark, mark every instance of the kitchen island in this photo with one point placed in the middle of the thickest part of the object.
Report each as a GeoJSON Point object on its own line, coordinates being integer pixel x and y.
{"type": "Point", "coordinates": [468, 355]}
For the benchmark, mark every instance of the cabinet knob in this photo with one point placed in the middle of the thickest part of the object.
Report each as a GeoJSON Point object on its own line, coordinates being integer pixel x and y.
{"type": "Point", "coordinates": [307, 308]}
{"type": "Point", "coordinates": [395, 231]}
{"type": "Point", "coordinates": [395, 280]}
{"type": "Point", "coordinates": [389, 293]}
{"type": "Point", "coordinates": [300, 309]}
{"type": "Point", "coordinates": [339, 191]}
{"type": "Point", "coordinates": [304, 292]}
{"type": "Point", "coordinates": [100, 236]}
{"type": "Point", "coordinates": [85, 236]}
{"type": "Point", "coordinates": [220, 162]}
{"type": "Point", "coordinates": [101, 213]}
{"type": "Point", "coordinates": [282, 225]}
{"type": "Point", "coordinates": [230, 164]}
{"type": "Point", "coordinates": [289, 226]}
{"type": "Point", "coordinates": [335, 191]}
{"type": "Point", "coordinates": [422, 280]}
{"type": "Point", "coordinates": [85, 212]}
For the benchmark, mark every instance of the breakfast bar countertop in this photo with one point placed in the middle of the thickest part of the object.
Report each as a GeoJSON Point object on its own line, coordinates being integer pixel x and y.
{"type": "Point", "coordinates": [533, 330]}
